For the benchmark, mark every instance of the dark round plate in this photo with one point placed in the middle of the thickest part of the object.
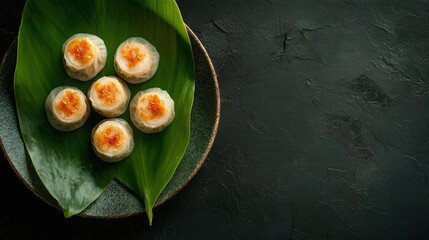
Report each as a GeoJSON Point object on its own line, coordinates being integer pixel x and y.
{"type": "Point", "coordinates": [117, 201]}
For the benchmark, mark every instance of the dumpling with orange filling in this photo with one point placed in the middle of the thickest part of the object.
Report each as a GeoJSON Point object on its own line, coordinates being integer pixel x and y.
{"type": "Point", "coordinates": [109, 96]}
{"type": "Point", "coordinates": [136, 60]}
{"type": "Point", "coordinates": [67, 108]}
{"type": "Point", "coordinates": [112, 140]}
{"type": "Point", "coordinates": [84, 56]}
{"type": "Point", "coordinates": [152, 110]}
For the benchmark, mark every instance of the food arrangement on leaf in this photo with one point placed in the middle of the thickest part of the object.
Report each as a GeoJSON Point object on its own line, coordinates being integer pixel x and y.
{"type": "Point", "coordinates": [77, 152]}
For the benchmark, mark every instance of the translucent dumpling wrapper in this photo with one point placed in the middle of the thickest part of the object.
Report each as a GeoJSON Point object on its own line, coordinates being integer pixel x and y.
{"type": "Point", "coordinates": [84, 56]}
{"type": "Point", "coordinates": [109, 96]}
{"type": "Point", "coordinates": [67, 108]}
{"type": "Point", "coordinates": [112, 140]}
{"type": "Point", "coordinates": [136, 60]}
{"type": "Point", "coordinates": [152, 110]}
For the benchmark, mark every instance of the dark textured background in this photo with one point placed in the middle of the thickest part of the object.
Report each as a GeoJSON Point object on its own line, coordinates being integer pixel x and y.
{"type": "Point", "coordinates": [324, 130]}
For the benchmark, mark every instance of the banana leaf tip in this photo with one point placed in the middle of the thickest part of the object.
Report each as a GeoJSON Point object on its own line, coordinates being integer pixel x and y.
{"type": "Point", "coordinates": [68, 214]}
{"type": "Point", "coordinates": [149, 216]}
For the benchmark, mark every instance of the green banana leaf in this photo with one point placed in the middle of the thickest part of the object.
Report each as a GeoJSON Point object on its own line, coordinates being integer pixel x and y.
{"type": "Point", "coordinates": [65, 161]}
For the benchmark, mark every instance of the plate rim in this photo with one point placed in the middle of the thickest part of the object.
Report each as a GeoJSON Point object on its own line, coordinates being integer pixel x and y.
{"type": "Point", "coordinates": [177, 190]}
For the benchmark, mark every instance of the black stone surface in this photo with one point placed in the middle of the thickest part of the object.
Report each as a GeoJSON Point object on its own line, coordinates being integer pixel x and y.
{"type": "Point", "coordinates": [324, 130]}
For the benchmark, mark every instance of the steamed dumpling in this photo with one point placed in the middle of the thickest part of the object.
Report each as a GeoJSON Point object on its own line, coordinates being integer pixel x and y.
{"type": "Point", "coordinates": [67, 108]}
{"type": "Point", "coordinates": [152, 110]}
{"type": "Point", "coordinates": [109, 96]}
{"type": "Point", "coordinates": [136, 60]}
{"type": "Point", "coordinates": [112, 140]}
{"type": "Point", "coordinates": [84, 56]}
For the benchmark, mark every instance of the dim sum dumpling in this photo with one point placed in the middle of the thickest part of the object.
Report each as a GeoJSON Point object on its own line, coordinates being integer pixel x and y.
{"type": "Point", "coordinates": [152, 110]}
{"type": "Point", "coordinates": [136, 60]}
{"type": "Point", "coordinates": [112, 140]}
{"type": "Point", "coordinates": [109, 96]}
{"type": "Point", "coordinates": [84, 56]}
{"type": "Point", "coordinates": [67, 108]}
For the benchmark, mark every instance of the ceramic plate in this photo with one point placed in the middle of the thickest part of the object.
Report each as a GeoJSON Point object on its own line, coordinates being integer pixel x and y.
{"type": "Point", "coordinates": [117, 201]}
